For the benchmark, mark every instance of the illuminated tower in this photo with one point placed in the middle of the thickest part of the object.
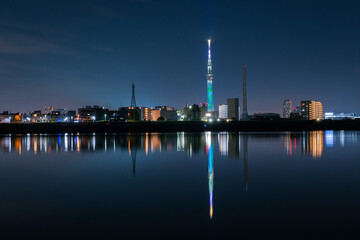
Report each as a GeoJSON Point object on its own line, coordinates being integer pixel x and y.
{"type": "Point", "coordinates": [133, 101]}
{"type": "Point", "coordinates": [244, 115]}
{"type": "Point", "coordinates": [209, 78]}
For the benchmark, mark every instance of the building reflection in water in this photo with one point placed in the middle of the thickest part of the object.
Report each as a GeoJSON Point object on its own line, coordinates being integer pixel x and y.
{"type": "Point", "coordinates": [149, 142]}
{"type": "Point", "coordinates": [312, 142]}
{"type": "Point", "coordinates": [245, 151]}
{"type": "Point", "coordinates": [210, 153]}
{"type": "Point", "coordinates": [288, 144]}
{"type": "Point", "coordinates": [342, 138]}
{"type": "Point", "coordinates": [180, 142]}
{"type": "Point", "coordinates": [223, 141]}
{"type": "Point", "coordinates": [133, 145]}
{"type": "Point", "coordinates": [228, 144]}
{"type": "Point", "coordinates": [233, 145]}
{"type": "Point", "coordinates": [329, 138]}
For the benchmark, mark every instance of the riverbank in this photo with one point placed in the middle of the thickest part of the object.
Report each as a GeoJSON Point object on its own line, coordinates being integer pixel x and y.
{"type": "Point", "coordinates": [234, 126]}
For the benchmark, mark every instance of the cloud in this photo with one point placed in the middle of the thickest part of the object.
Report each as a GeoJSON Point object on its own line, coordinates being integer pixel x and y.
{"type": "Point", "coordinates": [114, 11]}
{"type": "Point", "coordinates": [8, 68]}
{"type": "Point", "coordinates": [5, 71]}
{"type": "Point", "coordinates": [357, 69]}
{"type": "Point", "coordinates": [104, 11]}
{"type": "Point", "coordinates": [37, 29]}
{"type": "Point", "coordinates": [24, 44]}
{"type": "Point", "coordinates": [103, 49]}
{"type": "Point", "coordinates": [20, 38]}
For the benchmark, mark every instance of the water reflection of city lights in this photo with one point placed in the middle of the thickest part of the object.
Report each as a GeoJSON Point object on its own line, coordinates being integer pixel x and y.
{"type": "Point", "coordinates": [329, 139]}
{"type": "Point", "coordinates": [342, 138]}
{"type": "Point", "coordinates": [228, 144]}
{"type": "Point", "coordinates": [223, 140]}
{"type": "Point", "coordinates": [313, 143]}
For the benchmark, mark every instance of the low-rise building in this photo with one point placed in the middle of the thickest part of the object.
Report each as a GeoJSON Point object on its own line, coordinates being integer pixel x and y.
{"type": "Point", "coordinates": [92, 114]}
{"type": "Point", "coordinates": [165, 108]}
{"type": "Point", "coordinates": [70, 116]}
{"type": "Point", "coordinates": [340, 116]}
{"type": "Point", "coordinates": [36, 117]}
{"type": "Point", "coordinates": [5, 117]}
{"type": "Point", "coordinates": [154, 114]}
{"type": "Point", "coordinates": [169, 115]}
{"type": "Point", "coordinates": [265, 116]}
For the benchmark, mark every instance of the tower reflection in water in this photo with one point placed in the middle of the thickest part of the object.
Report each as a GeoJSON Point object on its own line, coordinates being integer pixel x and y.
{"type": "Point", "coordinates": [229, 145]}
{"type": "Point", "coordinates": [210, 153]}
{"type": "Point", "coordinates": [133, 144]}
{"type": "Point", "coordinates": [245, 151]}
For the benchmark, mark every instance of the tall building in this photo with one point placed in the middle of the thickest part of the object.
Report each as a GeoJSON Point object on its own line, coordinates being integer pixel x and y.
{"type": "Point", "coordinates": [244, 113]}
{"type": "Point", "coordinates": [223, 111]}
{"type": "Point", "coordinates": [233, 108]}
{"type": "Point", "coordinates": [287, 108]}
{"type": "Point", "coordinates": [209, 78]}
{"type": "Point", "coordinates": [311, 110]}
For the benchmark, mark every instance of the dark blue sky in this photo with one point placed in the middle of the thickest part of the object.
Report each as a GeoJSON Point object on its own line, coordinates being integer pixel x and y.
{"type": "Point", "coordinates": [74, 53]}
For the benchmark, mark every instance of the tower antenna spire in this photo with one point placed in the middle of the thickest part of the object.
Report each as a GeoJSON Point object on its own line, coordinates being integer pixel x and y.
{"type": "Point", "coordinates": [209, 52]}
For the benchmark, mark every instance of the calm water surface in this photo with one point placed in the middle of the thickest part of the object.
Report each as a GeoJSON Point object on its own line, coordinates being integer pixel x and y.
{"type": "Point", "coordinates": [209, 185]}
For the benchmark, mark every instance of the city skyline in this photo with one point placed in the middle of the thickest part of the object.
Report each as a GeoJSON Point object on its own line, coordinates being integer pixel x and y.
{"type": "Point", "coordinates": [142, 118]}
{"type": "Point", "coordinates": [87, 53]}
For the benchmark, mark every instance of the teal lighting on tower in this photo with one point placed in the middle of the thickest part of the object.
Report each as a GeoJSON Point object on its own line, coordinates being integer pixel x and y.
{"type": "Point", "coordinates": [209, 77]}
{"type": "Point", "coordinates": [210, 152]}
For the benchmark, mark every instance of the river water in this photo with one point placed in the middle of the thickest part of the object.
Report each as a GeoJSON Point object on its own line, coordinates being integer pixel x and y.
{"type": "Point", "coordinates": [180, 185]}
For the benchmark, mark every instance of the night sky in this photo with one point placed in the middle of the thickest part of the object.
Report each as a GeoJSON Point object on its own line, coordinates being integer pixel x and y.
{"type": "Point", "coordinates": [75, 53]}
